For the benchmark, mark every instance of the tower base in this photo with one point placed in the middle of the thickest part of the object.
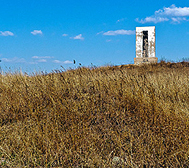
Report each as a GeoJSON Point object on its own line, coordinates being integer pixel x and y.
{"type": "Point", "coordinates": [138, 61]}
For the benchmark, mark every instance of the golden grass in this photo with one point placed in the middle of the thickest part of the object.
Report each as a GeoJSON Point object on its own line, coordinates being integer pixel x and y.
{"type": "Point", "coordinates": [85, 117]}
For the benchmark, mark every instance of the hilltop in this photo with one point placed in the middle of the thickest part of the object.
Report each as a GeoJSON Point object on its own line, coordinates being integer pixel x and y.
{"type": "Point", "coordinates": [113, 116]}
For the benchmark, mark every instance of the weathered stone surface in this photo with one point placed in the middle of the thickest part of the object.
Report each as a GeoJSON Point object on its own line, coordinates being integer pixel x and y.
{"type": "Point", "coordinates": [145, 45]}
{"type": "Point", "coordinates": [145, 60]}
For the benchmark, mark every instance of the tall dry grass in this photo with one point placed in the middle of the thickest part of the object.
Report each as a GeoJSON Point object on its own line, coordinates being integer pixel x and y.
{"type": "Point", "coordinates": [86, 117]}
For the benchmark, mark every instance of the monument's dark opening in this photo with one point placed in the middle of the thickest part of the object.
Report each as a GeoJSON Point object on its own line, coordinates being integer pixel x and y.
{"type": "Point", "coordinates": [145, 43]}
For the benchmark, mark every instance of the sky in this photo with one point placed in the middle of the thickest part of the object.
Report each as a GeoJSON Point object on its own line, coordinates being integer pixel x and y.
{"type": "Point", "coordinates": [47, 35]}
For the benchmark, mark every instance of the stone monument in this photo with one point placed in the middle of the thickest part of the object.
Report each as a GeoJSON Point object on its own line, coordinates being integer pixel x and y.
{"type": "Point", "coordinates": [145, 45]}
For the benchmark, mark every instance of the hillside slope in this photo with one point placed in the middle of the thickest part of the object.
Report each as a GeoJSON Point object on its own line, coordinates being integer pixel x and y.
{"type": "Point", "coordinates": [89, 117]}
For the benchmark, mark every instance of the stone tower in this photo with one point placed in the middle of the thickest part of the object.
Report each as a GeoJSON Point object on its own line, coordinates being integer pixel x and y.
{"type": "Point", "coordinates": [145, 45]}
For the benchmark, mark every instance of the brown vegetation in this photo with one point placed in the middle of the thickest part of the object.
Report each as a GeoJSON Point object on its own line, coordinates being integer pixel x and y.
{"type": "Point", "coordinates": [86, 117]}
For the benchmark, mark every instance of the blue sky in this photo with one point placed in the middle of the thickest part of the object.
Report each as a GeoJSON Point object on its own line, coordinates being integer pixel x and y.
{"type": "Point", "coordinates": [43, 35]}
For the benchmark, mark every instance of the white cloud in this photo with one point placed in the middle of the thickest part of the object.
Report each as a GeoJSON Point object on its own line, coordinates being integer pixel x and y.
{"type": "Point", "coordinates": [68, 62]}
{"type": "Point", "coordinates": [14, 60]}
{"type": "Point", "coordinates": [6, 33]}
{"type": "Point", "coordinates": [57, 61]}
{"type": "Point", "coordinates": [179, 19]}
{"type": "Point", "coordinates": [153, 19]}
{"type": "Point", "coordinates": [42, 60]}
{"type": "Point", "coordinates": [78, 37]}
{"type": "Point", "coordinates": [119, 32]}
{"type": "Point", "coordinates": [36, 32]}
{"type": "Point", "coordinates": [42, 57]}
{"type": "Point", "coordinates": [39, 59]}
{"type": "Point", "coordinates": [22, 60]}
{"type": "Point", "coordinates": [100, 32]}
{"type": "Point", "coordinates": [63, 62]}
{"type": "Point", "coordinates": [173, 13]}
{"type": "Point", "coordinates": [65, 35]}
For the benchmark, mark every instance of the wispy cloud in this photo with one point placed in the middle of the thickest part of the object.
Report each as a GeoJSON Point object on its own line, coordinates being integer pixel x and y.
{"type": "Point", "coordinates": [78, 37]}
{"type": "Point", "coordinates": [42, 60]}
{"type": "Point", "coordinates": [120, 20]}
{"type": "Point", "coordinates": [152, 19]}
{"type": "Point", "coordinates": [6, 33]}
{"type": "Point", "coordinates": [37, 59]}
{"type": "Point", "coordinates": [179, 19]}
{"type": "Point", "coordinates": [64, 35]}
{"type": "Point", "coordinates": [42, 57]}
{"type": "Point", "coordinates": [100, 32]}
{"type": "Point", "coordinates": [63, 62]}
{"type": "Point", "coordinates": [36, 32]}
{"type": "Point", "coordinates": [14, 60]}
{"type": "Point", "coordinates": [172, 13]}
{"type": "Point", "coordinates": [119, 32]}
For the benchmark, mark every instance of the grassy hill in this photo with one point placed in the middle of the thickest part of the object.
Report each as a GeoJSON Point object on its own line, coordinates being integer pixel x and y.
{"type": "Point", "coordinates": [114, 116]}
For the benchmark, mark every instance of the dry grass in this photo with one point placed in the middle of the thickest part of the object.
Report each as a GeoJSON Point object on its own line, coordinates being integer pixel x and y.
{"type": "Point", "coordinates": [85, 117]}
